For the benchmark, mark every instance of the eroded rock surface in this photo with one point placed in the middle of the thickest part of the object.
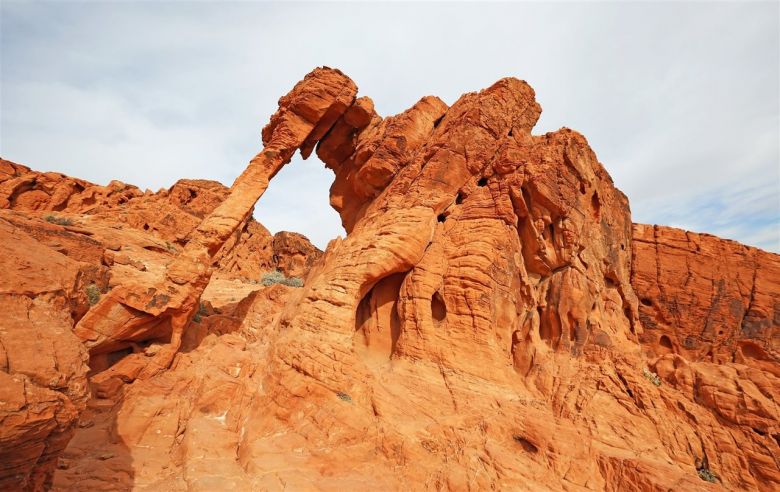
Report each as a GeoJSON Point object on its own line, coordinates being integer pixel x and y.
{"type": "Point", "coordinates": [706, 298]}
{"type": "Point", "coordinates": [43, 365]}
{"type": "Point", "coordinates": [711, 312]}
{"type": "Point", "coordinates": [58, 260]}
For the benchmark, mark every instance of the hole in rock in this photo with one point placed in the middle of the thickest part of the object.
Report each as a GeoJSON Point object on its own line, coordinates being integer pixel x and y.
{"type": "Point", "coordinates": [363, 313]}
{"type": "Point", "coordinates": [595, 205]}
{"type": "Point", "coordinates": [646, 302]}
{"type": "Point", "coordinates": [666, 343]}
{"type": "Point", "coordinates": [482, 182]}
{"type": "Point", "coordinates": [510, 132]}
{"type": "Point", "coordinates": [630, 317]}
{"type": "Point", "coordinates": [100, 362]}
{"type": "Point", "coordinates": [625, 384]}
{"type": "Point", "coordinates": [459, 199]}
{"type": "Point", "coordinates": [526, 444]}
{"type": "Point", "coordinates": [146, 227]}
{"type": "Point", "coordinates": [438, 308]}
{"type": "Point", "coordinates": [441, 218]}
{"type": "Point", "coordinates": [759, 431]}
{"type": "Point", "coordinates": [438, 120]}
{"type": "Point", "coordinates": [574, 326]}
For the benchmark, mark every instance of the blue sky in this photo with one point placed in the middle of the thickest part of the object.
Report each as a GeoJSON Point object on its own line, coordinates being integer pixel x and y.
{"type": "Point", "coordinates": [680, 101]}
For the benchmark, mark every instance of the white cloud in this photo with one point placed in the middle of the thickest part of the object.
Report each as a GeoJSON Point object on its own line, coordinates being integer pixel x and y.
{"type": "Point", "coordinates": [679, 101]}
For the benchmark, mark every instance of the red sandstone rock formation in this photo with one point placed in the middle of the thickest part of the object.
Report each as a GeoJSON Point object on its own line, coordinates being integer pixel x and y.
{"type": "Point", "coordinates": [23, 189]}
{"type": "Point", "coordinates": [711, 312]}
{"type": "Point", "coordinates": [491, 321]}
{"type": "Point", "coordinates": [704, 298]}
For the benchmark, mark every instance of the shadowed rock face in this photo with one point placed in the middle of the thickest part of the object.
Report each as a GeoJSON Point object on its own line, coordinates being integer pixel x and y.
{"type": "Point", "coordinates": [478, 328]}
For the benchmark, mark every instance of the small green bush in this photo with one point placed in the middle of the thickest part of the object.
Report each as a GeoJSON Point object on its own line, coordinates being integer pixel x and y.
{"type": "Point", "coordinates": [53, 219]}
{"type": "Point", "coordinates": [652, 377]}
{"type": "Point", "coordinates": [277, 277]}
{"type": "Point", "coordinates": [294, 282]}
{"type": "Point", "coordinates": [93, 294]}
{"type": "Point", "coordinates": [271, 278]}
{"type": "Point", "coordinates": [200, 313]}
{"type": "Point", "coordinates": [707, 475]}
{"type": "Point", "coordinates": [344, 396]}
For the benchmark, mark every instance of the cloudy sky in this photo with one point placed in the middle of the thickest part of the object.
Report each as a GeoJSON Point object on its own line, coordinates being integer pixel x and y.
{"type": "Point", "coordinates": [679, 101]}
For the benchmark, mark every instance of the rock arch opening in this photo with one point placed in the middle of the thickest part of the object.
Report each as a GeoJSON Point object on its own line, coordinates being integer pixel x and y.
{"type": "Point", "coordinates": [297, 199]}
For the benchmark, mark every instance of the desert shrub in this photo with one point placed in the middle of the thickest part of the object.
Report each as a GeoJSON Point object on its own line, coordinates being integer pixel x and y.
{"type": "Point", "coordinates": [652, 377]}
{"type": "Point", "coordinates": [707, 475]}
{"type": "Point", "coordinates": [294, 282]}
{"type": "Point", "coordinates": [277, 277]}
{"type": "Point", "coordinates": [200, 313]}
{"type": "Point", "coordinates": [93, 294]}
{"type": "Point", "coordinates": [271, 278]}
{"type": "Point", "coordinates": [344, 396]}
{"type": "Point", "coordinates": [53, 219]}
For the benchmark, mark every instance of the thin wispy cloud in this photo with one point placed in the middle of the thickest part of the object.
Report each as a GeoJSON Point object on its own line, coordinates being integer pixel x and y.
{"type": "Point", "coordinates": [679, 101]}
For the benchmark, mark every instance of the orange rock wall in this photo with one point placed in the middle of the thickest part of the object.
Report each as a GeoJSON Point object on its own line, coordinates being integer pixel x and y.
{"type": "Point", "coordinates": [43, 370]}
{"type": "Point", "coordinates": [706, 298]}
